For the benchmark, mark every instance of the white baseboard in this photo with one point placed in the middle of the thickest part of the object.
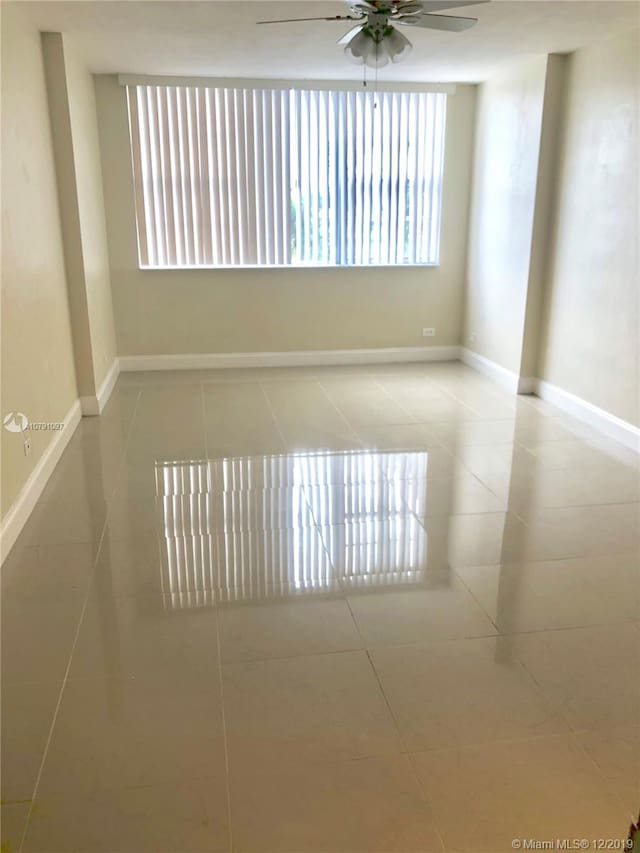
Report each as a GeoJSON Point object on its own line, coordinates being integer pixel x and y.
{"type": "Point", "coordinates": [300, 358]}
{"type": "Point", "coordinates": [599, 419]}
{"type": "Point", "coordinates": [507, 379]}
{"type": "Point", "coordinates": [92, 406]}
{"type": "Point", "coordinates": [526, 385]}
{"type": "Point", "coordinates": [26, 500]}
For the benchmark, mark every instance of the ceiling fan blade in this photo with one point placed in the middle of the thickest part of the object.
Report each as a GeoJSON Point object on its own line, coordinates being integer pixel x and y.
{"type": "Point", "coordinates": [438, 22]}
{"type": "Point", "coordinates": [346, 38]}
{"type": "Point", "coordinates": [294, 20]}
{"type": "Point", "coordinates": [429, 6]}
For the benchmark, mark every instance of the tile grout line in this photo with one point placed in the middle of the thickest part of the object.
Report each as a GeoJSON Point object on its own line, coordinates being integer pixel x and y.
{"type": "Point", "coordinates": [404, 750]}
{"type": "Point", "coordinates": [273, 415]}
{"type": "Point", "coordinates": [396, 402]}
{"type": "Point", "coordinates": [340, 412]}
{"type": "Point", "coordinates": [223, 715]}
{"type": "Point", "coordinates": [73, 646]}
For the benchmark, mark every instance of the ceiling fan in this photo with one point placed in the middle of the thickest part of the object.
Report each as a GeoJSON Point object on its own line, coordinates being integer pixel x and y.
{"type": "Point", "coordinates": [375, 40]}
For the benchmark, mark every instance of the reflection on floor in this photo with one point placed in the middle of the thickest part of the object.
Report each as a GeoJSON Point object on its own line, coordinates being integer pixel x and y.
{"type": "Point", "coordinates": [245, 529]}
{"type": "Point", "coordinates": [340, 610]}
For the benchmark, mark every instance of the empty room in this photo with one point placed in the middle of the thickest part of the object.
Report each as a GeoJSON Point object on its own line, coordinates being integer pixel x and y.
{"type": "Point", "coordinates": [320, 506]}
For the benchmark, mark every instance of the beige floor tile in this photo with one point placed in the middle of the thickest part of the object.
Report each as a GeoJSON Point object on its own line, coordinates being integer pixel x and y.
{"type": "Point", "coordinates": [286, 629]}
{"type": "Point", "coordinates": [317, 708]}
{"type": "Point", "coordinates": [307, 418]}
{"type": "Point", "coordinates": [612, 483]}
{"type": "Point", "coordinates": [591, 675]}
{"type": "Point", "coordinates": [460, 693]}
{"type": "Point", "coordinates": [557, 594]}
{"type": "Point", "coordinates": [149, 445]}
{"type": "Point", "coordinates": [546, 489]}
{"type": "Point", "coordinates": [320, 437]}
{"type": "Point", "coordinates": [120, 733]}
{"type": "Point", "coordinates": [378, 551]}
{"type": "Point", "coordinates": [192, 818]}
{"type": "Point", "coordinates": [37, 638]}
{"type": "Point", "coordinates": [64, 523]}
{"type": "Point", "coordinates": [132, 378]}
{"type": "Point", "coordinates": [490, 538]}
{"type": "Point", "coordinates": [135, 518]}
{"type": "Point", "coordinates": [565, 487]}
{"type": "Point", "coordinates": [558, 427]}
{"type": "Point", "coordinates": [544, 788]}
{"type": "Point", "coordinates": [367, 806]}
{"type": "Point", "coordinates": [141, 638]}
{"type": "Point", "coordinates": [364, 401]}
{"type": "Point", "coordinates": [86, 475]}
{"type": "Point", "coordinates": [27, 715]}
{"type": "Point", "coordinates": [435, 462]}
{"type": "Point", "coordinates": [396, 437]}
{"type": "Point", "coordinates": [461, 494]}
{"type": "Point", "coordinates": [239, 420]}
{"type": "Point", "coordinates": [250, 566]}
{"type": "Point", "coordinates": [440, 613]}
{"type": "Point", "coordinates": [166, 401]}
{"type": "Point", "coordinates": [586, 531]}
{"type": "Point", "coordinates": [480, 432]}
{"type": "Point", "coordinates": [441, 411]}
{"type": "Point", "coordinates": [297, 515]}
{"type": "Point", "coordinates": [129, 565]}
{"type": "Point", "coordinates": [13, 821]}
{"type": "Point", "coordinates": [616, 751]}
{"type": "Point", "coordinates": [169, 422]}
{"type": "Point", "coordinates": [574, 454]}
{"type": "Point", "coordinates": [230, 443]}
{"type": "Point", "coordinates": [47, 573]}
{"type": "Point", "coordinates": [497, 461]}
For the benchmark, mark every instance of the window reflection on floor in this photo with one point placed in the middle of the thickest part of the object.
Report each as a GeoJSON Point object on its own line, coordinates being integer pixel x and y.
{"type": "Point", "coordinates": [242, 529]}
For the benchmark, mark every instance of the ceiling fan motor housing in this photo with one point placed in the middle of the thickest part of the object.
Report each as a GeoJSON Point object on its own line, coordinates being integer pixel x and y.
{"type": "Point", "coordinates": [379, 13]}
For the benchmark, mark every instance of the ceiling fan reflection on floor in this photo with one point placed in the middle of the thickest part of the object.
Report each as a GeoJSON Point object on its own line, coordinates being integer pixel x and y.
{"type": "Point", "coordinates": [375, 40]}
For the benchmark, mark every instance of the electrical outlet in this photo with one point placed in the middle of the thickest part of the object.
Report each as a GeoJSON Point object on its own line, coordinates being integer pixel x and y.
{"type": "Point", "coordinates": [27, 446]}
{"type": "Point", "coordinates": [428, 333]}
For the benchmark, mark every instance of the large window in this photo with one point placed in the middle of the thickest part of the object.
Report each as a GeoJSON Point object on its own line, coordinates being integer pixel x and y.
{"type": "Point", "coordinates": [234, 177]}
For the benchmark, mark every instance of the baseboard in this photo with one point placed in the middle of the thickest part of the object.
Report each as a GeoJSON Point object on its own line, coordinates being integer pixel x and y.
{"type": "Point", "coordinates": [92, 406]}
{"type": "Point", "coordinates": [26, 500]}
{"type": "Point", "coordinates": [507, 379]}
{"type": "Point", "coordinates": [610, 425]}
{"type": "Point", "coordinates": [300, 358]}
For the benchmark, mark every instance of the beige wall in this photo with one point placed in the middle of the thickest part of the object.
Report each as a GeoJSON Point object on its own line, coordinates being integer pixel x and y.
{"type": "Point", "coordinates": [505, 176]}
{"type": "Point", "coordinates": [197, 311]}
{"type": "Point", "coordinates": [38, 375]}
{"type": "Point", "coordinates": [590, 328]}
{"type": "Point", "coordinates": [75, 134]}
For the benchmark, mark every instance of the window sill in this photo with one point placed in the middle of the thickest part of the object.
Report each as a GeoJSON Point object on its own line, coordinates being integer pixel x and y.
{"type": "Point", "coordinates": [292, 267]}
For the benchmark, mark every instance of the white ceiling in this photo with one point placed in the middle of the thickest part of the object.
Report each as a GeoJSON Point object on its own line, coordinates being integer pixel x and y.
{"type": "Point", "coordinates": [221, 39]}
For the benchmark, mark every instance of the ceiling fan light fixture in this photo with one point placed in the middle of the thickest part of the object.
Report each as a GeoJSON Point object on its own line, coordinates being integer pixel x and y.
{"type": "Point", "coordinates": [399, 46]}
{"type": "Point", "coordinates": [365, 49]}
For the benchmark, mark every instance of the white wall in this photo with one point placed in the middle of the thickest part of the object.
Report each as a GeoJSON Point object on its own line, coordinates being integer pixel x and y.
{"type": "Point", "coordinates": [84, 129]}
{"type": "Point", "coordinates": [589, 343]}
{"type": "Point", "coordinates": [38, 376]}
{"type": "Point", "coordinates": [198, 311]}
{"type": "Point", "coordinates": [505, 176]}
{"type": "Point", "coordinates": [75, 135]}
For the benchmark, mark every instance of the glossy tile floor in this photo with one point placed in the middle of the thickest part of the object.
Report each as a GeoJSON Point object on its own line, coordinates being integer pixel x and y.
{"type": "Point", "coordinates": [340, 610]}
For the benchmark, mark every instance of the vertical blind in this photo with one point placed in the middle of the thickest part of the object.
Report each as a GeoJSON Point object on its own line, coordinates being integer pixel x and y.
{"type": "Point", "coordinates": [228, 177]}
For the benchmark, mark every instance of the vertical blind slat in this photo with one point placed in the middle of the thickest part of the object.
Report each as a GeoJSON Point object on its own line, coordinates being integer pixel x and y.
{"type": "Point", "coordinates": [265, 176]}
